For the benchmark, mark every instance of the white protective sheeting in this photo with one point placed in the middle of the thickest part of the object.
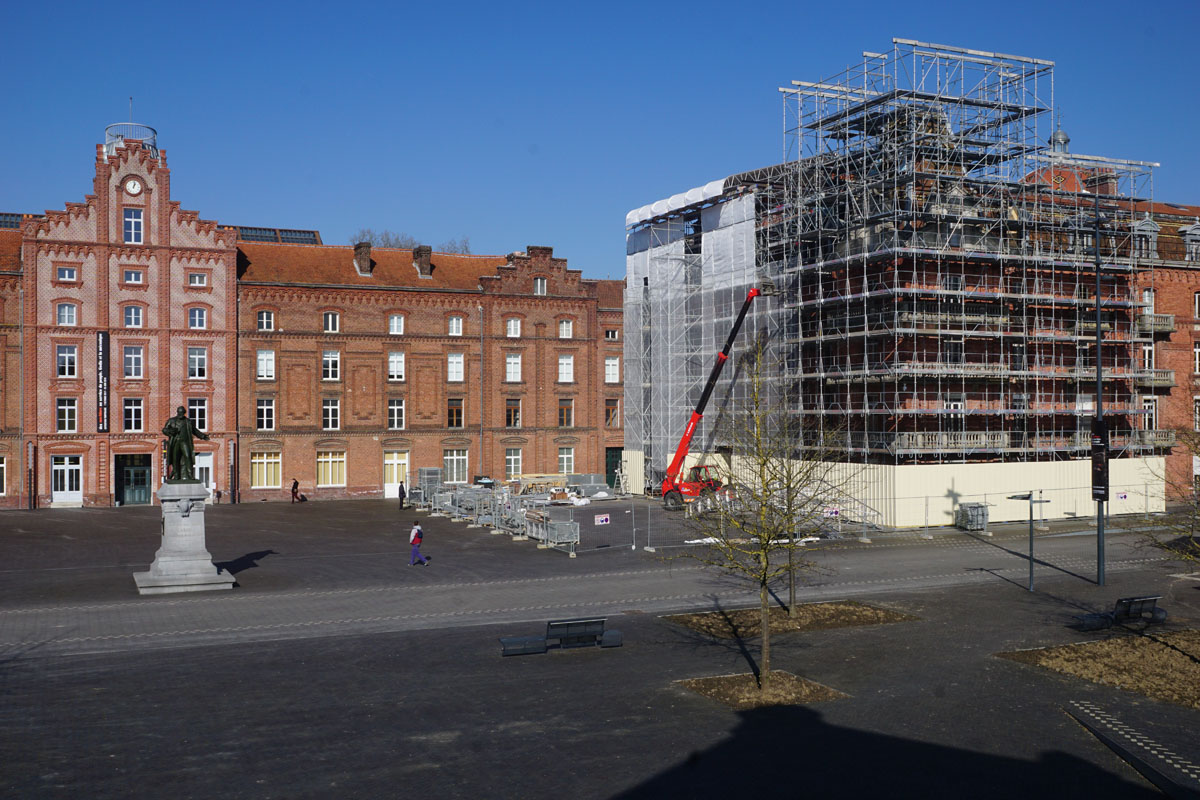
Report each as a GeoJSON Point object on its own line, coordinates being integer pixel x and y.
{"type": "Point", "coordinates": [691, 197]}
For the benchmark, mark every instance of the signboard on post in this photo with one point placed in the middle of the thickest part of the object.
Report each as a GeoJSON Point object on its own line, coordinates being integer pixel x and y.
{"type": "Point", "coordinates": [1099, 459]}
{"type": "Point", "coordinates": [602, 519]}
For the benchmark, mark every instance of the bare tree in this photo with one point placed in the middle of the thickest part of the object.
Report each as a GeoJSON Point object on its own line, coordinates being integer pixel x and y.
{"type": "Point", "coordinates": [1177, 532]}
{"type": "Point", "coordinates": [782, 481]}
{"type": "Point", "coordinates": [384, 238]}
{"type": "Point", "coordinates": [460, 245]}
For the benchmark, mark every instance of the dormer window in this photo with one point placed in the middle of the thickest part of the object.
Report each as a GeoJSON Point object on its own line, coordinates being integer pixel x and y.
{"type": "Point", "coordinates": [133, 226]}
{"type": "Point", "coordinates": [539, 286]}
{"type": "Point", "coordinates": [1145, 238]}
{"type": "Point", "coordinates": [1191, 241]}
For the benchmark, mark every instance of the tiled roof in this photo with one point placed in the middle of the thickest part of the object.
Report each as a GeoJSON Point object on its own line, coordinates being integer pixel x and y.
{"type": "Point", "coordinates": [10, 250]}
{"type": "Point", "coordinates": [328, 265]}
{"type": "Point", "coordinates": [1174, 209]}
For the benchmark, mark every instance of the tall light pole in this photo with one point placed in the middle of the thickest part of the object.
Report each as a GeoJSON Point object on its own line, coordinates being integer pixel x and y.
{"type": "Point", "coordinates": [1029, 496]}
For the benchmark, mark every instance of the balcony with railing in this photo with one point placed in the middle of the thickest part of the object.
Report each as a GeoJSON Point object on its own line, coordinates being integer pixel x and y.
{"type": "Point", "coordinates": [1156, 378]}
{"type": "Point", "coordinates": [1156, 323]}
{"type": "Point", "coordinates": [1155, 438]}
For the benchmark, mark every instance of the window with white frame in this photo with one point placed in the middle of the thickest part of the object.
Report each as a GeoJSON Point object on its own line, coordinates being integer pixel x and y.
{"type": "Point", "coordinates": [512, 328]}
{"type": "Point", "coordinates": [133, 226]}
{"type": "Point", "coordinates": [1196, 305]}
{"type": "Point", "coordinates": [197, 279]}
{"type": "Point", "coordinates": [566, 329]}
{"type": "Point", "coordinates": [1147, 356]}
{"type": "Point", "coordinates": [266, 470]}
{"type": "Point", "coordinates": [395, 366]}
{"type": "Point", "coordinates": [566, 369]}
{"type": "Point", "coordinates": [331, 413]}
{"type": "Point", "coordinates": [512, 463]}
{"type": "Point", "coordinates": [512, 367]}
{"type": "Point", "coordinates": [331, 468]}
{"type": "Point", "coordinates": [1150, 419]}
{"type": "Point", "coordinates": [197, 318]}
{"type": "Point", "coordinates": [134, 317]}
{"type": "Point", "coordinates": [197, 411]}
{"type": "Point", "coordinates": [266, 320]}
{"type": "Point", "coordinates": [454, 367]}
{"type": "Point", "coordinates": [3, 476]}
{"type": "Point", "coordinates": [133, 276]}
{"type": "Point", "coordinates": [1196, 413]}
{"type": "Point", "coordinates": [331, 322]}
{"type": "Point", "coordinates": [68, 274]}
{"type": "Point", "coordinates": [612, 369]}
{"type": "Point", "coordinates": [197, 363]}
{"type": "Point", "coordinates": [611, 334]}
{"type": "Point", "coordinates": [134, 361]}
{"type": "Point", "coordinates": [331, 365]}
{"type": "Point", "coordinates": [133, 417]}
{"type": "Point", "coordinates": [454, 326]}
{"type": "Point", "coordinates": [1148, 300]}
{"type": "Point", "coordinates": [1196, 357]}
{"type": "Point", "coordinates": [396, 324]}
{"type": "Point", "coordinates": [67, 361]}
{"type": "Point", "coordinates": [454, 466]}
{"type": "Point", "coordinates": [539, 286]}
{"type": "Point", "coordinates": [264, 413]}
{"type": "Point", "coordinates": [66, 419]}
{"type": "Point", "coordinates": [65, 314]}
{"type": "Point", "coordinates": [265, 370]}
{"type": "Point", "coordinates": [566, 460]}
{"type": "Point", "coordinates": [396, 413]}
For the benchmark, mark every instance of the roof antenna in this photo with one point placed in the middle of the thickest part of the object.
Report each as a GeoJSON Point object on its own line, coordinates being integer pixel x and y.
{"type": "Point", "coordinates": [131, 108]}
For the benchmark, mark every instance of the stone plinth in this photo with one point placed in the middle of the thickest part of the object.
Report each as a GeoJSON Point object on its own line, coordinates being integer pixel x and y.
{"type": "Point", "coordinates": [182, 563]}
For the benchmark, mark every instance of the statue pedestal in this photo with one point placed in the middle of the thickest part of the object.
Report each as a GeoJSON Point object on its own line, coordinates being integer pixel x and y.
{"type": "Point", "coordinates": [182, 563]}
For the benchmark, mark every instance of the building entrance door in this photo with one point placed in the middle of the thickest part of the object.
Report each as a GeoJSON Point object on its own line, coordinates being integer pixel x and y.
{"type": "Point", "coordinates": [612, 463]}
{"type": "Point", "coordinates": [395, 469]}
{"type": "Point", "coordinates": [204, 470]}
{"type": "Point", "coordinates": [66, 480]}
{"type": "Point", "coordinates": [133, 479]}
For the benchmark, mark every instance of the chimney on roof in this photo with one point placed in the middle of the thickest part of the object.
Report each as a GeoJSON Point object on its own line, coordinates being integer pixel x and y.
{"type": "Point", "coordinates": [362, 259]}
{"type": "Point", "coordinates": [421, 255]}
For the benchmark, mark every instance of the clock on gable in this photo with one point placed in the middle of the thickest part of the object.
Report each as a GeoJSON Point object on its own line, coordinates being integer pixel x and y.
{"type": "Point", "coordinates": [133, 186]}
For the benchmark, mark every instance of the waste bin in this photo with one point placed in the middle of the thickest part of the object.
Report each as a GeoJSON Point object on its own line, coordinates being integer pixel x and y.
{"type": "Point", "coordinates": [972, 516]}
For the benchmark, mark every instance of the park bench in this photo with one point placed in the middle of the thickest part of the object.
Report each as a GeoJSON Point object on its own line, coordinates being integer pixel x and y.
{"type": "Point", "coordinates": [1128, 611]}
{"type": "Point", "coordinates": [566, 633]}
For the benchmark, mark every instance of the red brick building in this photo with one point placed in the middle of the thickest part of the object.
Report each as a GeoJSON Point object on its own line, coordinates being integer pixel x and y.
{"type": "Point", "coordinates": [342, 367]}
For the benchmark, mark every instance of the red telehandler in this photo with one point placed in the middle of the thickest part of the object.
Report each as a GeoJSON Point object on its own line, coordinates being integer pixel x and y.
{"type": "Point", "coordinates": [702, 482]}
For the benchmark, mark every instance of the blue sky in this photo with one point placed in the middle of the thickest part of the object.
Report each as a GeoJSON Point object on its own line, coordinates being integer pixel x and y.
{"type": "Point", "coordinates": [521, 123]}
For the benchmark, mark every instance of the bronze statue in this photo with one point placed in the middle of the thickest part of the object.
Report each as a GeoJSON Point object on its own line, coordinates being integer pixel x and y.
{"type": "Point", "coordinates": [181, 455]}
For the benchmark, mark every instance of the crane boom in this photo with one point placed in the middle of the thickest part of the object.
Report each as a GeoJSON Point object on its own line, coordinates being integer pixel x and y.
{"type": "Point", "coordinates": [672, 483]}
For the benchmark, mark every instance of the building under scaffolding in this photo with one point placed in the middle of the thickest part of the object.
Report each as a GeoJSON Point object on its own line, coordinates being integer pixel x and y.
{"type": "Point", "coordinates": [935, 248]}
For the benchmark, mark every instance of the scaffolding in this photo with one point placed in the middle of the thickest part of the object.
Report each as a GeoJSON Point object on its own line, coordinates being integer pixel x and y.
{"type": "Point", "coordinates": [935, 246]}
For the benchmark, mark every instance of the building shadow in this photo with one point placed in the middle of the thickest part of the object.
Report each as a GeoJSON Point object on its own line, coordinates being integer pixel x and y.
{"type": "Point", "coordinates": [790, 751]}
{"type": "Point", "coordinates": [248, 561]}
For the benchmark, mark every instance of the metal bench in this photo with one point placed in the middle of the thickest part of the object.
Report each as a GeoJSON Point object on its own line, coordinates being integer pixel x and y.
{"type": "Point", "coordinates": [566, 633]}
{"type": "Point", "coordinates": [1128, 612]}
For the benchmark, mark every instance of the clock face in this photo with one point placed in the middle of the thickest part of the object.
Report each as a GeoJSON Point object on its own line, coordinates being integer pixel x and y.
{"type": "Point", "coordinates": [133, 186]}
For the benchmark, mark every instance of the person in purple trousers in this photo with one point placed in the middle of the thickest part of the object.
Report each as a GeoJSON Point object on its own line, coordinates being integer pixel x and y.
{"type": "Point", "coordinates": [414, 538]}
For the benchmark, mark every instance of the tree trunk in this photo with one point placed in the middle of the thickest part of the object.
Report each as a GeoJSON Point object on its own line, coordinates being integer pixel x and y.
{"type": "Point", "coordinates": [764, 661]}
{"type": "Point", "coordinates": [792, 579]}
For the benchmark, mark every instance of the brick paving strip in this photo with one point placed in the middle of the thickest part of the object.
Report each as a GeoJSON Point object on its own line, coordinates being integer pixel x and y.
{"type": "Point", "coordinates": [1175, 775]}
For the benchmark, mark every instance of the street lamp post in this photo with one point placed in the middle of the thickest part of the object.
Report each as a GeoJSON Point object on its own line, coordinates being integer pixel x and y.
{"type": "Point", "coordinates": [1099, 429]}
{"type": "Point", "coordinates": [1029, 496]}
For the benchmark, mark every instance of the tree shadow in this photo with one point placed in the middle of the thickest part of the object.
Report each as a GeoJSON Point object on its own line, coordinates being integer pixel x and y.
{"type": "Point", "coordinates": [248, 561]}
{"type": "Point", "coordinates": [790, 751]}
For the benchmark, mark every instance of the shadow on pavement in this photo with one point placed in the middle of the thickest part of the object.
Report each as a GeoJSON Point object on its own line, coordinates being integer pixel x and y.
{"type": "Point", "coordinates": [248, 561]}
{"type": "Point", "coordinates": [789, 751]}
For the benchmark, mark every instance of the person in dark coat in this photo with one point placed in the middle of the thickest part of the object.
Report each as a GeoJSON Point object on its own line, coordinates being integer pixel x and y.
{"type": "Point", "coordinates": [402, 494]}
{"type": "Point", "coordinates": [295, 491]}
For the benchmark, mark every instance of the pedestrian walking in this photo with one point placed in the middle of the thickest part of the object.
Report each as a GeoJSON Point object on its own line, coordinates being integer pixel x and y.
{"type": "Point", "coordinates": [295, 491]}
{"type": "Point", "coordinates": [414, 538]}
{"type": "Point", "coordinates": [403, 494]}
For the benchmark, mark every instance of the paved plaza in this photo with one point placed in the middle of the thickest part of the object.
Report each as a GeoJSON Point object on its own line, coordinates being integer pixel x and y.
{"type": "Point", "coordinates": [335, 670]}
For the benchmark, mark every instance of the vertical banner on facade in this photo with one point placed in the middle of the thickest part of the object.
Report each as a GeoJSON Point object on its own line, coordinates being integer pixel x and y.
{"type": "Point", "coordinates": [1099, 459]}
{"type": "Point", "coordinates": [102, 382]}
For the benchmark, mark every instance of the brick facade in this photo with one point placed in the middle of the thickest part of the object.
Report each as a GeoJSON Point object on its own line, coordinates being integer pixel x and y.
{"type": "Point", "coordinates": [292, 351]}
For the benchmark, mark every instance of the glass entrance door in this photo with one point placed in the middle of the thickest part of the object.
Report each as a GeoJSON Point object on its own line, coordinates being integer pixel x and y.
{"type": "Point", "coordinates": [395, 469]}
{"type": "Point", "coordinates": [204, 470]}
{"type": "Point", "coordinates": [135, 482]}
{"type": "Point", "coordinates": [66, 479]}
